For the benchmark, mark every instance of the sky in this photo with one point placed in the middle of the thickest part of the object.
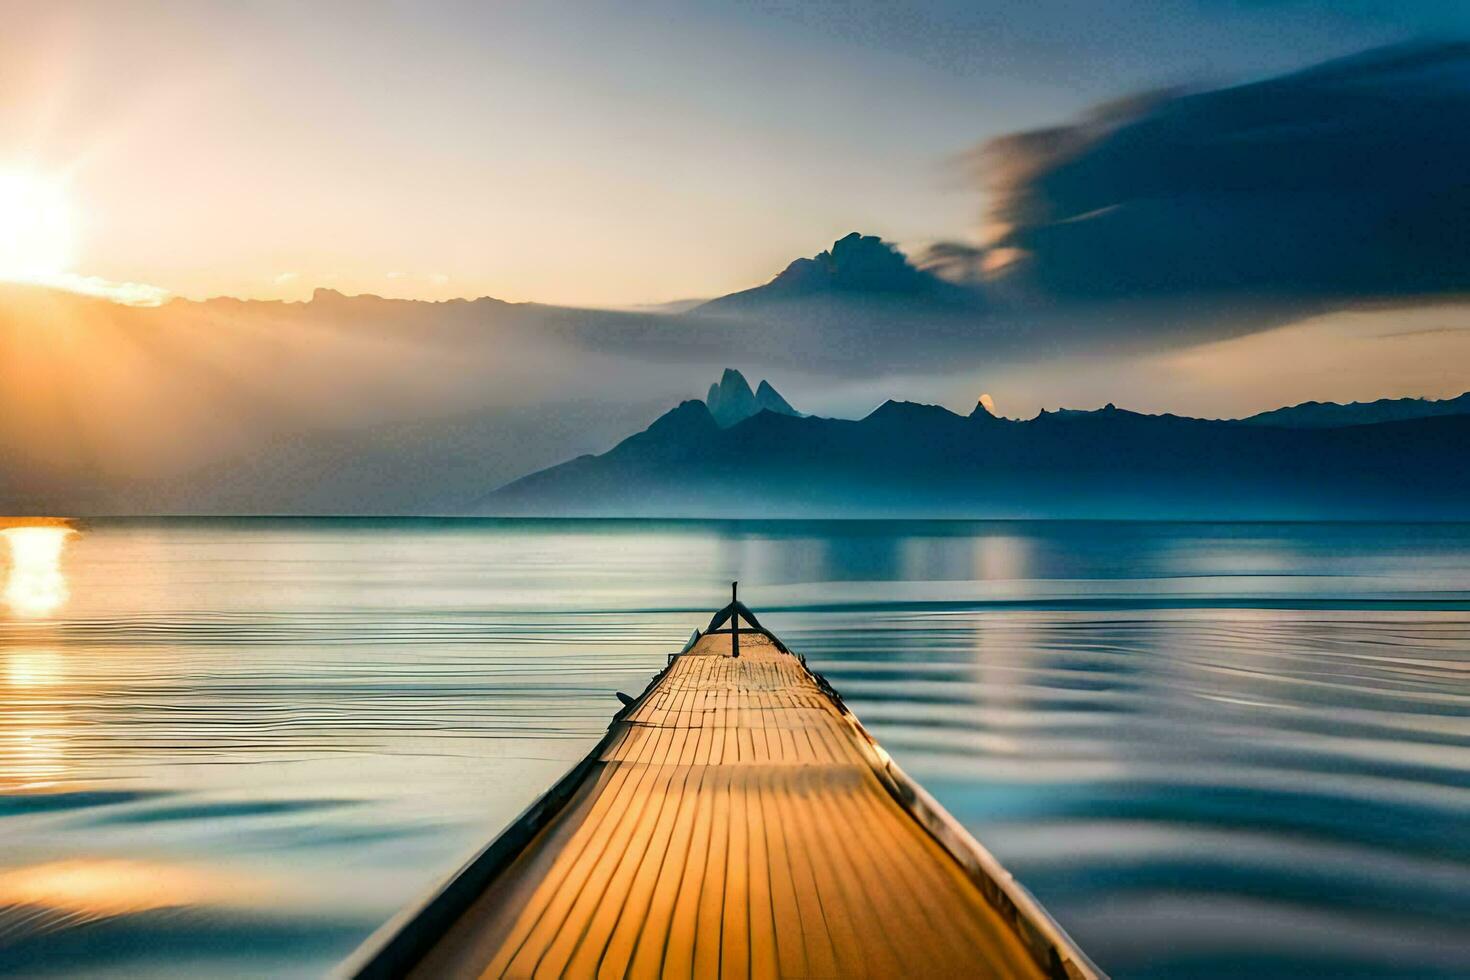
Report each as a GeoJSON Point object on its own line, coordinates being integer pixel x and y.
{"type": "Point", "coordinates": [1208, 207]}
{"type": "Point", "coordinates": [595, 155]}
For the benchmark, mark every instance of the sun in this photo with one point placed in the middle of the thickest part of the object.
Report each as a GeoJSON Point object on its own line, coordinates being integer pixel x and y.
{"type": "Point", "coordinates": [38, 226]}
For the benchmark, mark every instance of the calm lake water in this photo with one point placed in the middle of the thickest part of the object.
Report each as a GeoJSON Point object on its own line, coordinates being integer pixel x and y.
{"type": "Point", "coordinates": [237, 747]}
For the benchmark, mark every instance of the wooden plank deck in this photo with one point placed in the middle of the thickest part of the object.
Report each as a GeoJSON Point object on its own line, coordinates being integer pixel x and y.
{"type": "Point", "coordinates": [737, 822]}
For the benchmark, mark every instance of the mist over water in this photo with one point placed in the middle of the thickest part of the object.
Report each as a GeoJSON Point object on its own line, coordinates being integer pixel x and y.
{"type": "Point", "coordinates": [237, 747]}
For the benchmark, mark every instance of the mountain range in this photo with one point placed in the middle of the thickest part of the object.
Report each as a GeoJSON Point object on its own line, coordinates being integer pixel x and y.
{"type": "Point", "coordinates": [367, 405]}
{"type": "Point", "coordinates": [1319, 415]}
{"type": "Point", "coordinates": [908, 459]}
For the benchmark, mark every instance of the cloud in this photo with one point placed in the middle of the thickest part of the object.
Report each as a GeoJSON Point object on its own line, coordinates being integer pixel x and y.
{"type": "Point", "coordinates": [126, 293]}
{"type": "Point", "coordinates": [287, 277]}
{"type": "Point", "coordinates": [1343, 181]}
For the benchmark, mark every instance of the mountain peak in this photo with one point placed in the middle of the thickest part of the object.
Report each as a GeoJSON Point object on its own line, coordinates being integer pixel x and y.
{"type": "Point", "coordinates": [894, 410]}
{"type": "Point", "coordinates": [733, 378]}
{"type": "Point", "coordinates": [690, 415]}
{"type": "Point", "coordinates": [768, 398]}
{"type": "Point", "coordinates": [855, 263]}
{"type": "Point", "coordinates": [855, 266]}
{"type": "Point", "coordinates": [730, 400]}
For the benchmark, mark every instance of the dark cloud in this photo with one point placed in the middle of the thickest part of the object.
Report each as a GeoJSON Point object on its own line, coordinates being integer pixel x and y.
{"type": "Point", "coordinates": [1348, 180]}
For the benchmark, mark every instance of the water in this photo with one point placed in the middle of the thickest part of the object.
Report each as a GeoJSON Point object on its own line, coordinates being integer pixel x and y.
{"type": "Point", "coordinates": [237, 747]}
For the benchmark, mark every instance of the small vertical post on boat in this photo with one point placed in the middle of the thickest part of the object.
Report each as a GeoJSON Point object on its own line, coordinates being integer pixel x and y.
{"type": "Point", "coordinates": [734, 622]}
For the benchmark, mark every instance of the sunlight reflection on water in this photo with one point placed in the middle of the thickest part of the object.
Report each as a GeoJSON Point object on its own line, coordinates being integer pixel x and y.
{"type": "Point", "coordinates": [35, 585]}
{"type": "Point", "coordinates": [1208, 749]}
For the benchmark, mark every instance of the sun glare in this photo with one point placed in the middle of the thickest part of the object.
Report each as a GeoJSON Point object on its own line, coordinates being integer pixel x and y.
{"type": "Point", "coordinates": [37, 227]}
{"type": "Point", "coordinates": [36, 586]}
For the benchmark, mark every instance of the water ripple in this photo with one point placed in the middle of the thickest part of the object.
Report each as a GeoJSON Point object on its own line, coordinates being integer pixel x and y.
{"type": "Point", "coordinates": [1210, 750]}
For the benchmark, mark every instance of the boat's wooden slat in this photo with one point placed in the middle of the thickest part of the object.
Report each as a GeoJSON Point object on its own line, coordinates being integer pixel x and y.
{"type": "Point", "coordinates": [816, 936]}
{"type": "Point", "coordinates": [759, 912]}
{"type": "Point", "coordinates": [709, 921]}
{"type": "Point", "coordinates": [735, 826]}
{"type": "Point", "coordinates": [678, 952]}
{"type": "Point", "coordinates": [838, 910]}
{"type": "Point", "coordinates": [644, 942]}
{"type": "Point", "coordinates": [610, 888]}
{"type": "Point", "coordinates": [540, 917]}
{"type": "Point", "coordinates": [645, 922]}
{"type": "Point", "coordinates": [734, 939]}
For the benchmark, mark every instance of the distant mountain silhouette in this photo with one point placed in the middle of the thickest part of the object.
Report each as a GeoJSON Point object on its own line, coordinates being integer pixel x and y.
{"type": "Point", "coordinates": [858, 303]}
{"type": "Point", "coordinates": [769, 399]}
{"type": "Point", "coordinates": [907, 459]}
{"type": "Point", "coordinates": [730, 399]}
{"type": "Point", "coordinates": [365, 405]}
{"type": "Point", "coordinates": [1317, 415]}
{"type": "Point", "coordinates": [855, 266]}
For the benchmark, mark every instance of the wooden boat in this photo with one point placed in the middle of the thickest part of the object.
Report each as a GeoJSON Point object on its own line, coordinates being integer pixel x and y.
{"type": "Point", "coordinates": [735, 820]}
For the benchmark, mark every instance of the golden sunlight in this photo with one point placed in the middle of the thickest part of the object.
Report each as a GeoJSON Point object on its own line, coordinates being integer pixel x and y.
{"type": "Point", "coordinates": [94, 888]}
{"type": "Point", "coordinates": [33, 758]}
{"type": "Point", "coordinates": [38, 227]}
{"type": "Point", "coordinates": [36, 585]}
{"type": "Point", "coordinates": [33, 668]}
